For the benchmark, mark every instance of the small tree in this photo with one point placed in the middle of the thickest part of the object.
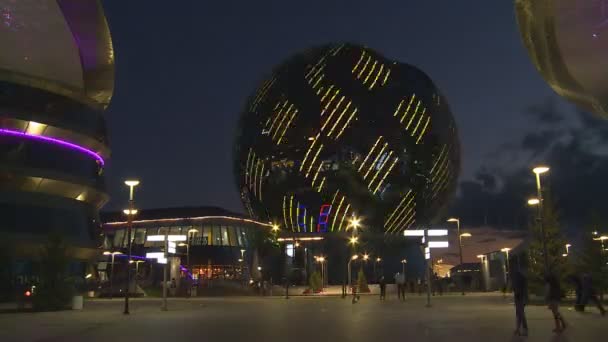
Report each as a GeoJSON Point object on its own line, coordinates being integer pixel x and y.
{"type": "Point", "coordinates": [55, 289]}
{"type": "Point", "coordinates": [362, 281]}
{"type": "Point", "coordinates": [315, 282]}
{"type": "Point", "coordinates": [555, 243]}
{"type": "Point", "coordinates": [592, 259]}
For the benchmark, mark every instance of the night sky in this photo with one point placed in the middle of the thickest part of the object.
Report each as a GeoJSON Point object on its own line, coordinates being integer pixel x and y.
{"type": "Point", "coordinates": [184, 70]}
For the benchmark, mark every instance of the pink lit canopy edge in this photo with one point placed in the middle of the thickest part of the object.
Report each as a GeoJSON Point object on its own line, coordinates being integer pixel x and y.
{"type": "Point", "coordinates": [58, 142]}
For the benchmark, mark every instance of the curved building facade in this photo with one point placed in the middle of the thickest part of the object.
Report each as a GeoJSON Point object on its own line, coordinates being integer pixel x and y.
{"type": "Point", "coordinates": [568, 43]}
{"type": "Point", "coordinates": [340, 130]}
{"type": "Point", "coordinates": [56, 80]}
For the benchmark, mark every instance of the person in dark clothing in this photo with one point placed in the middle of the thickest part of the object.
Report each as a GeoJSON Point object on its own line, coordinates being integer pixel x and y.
{"type": "Point", "coordinates": [578, 290]}
{"type": "Point", "coordinates": [589, 294]}
{"type": "Point", "coordinates": [382, 283]}
{"type": "Point", "coordinates": [520, 297]}
{"type": "Point", "coordinates": [553, 296]}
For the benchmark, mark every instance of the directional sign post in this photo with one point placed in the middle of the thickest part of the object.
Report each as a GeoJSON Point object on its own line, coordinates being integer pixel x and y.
{"type": "Point", "coordinates": [169, 248]}
{"type": "Point", "coordinates": [425, 234]}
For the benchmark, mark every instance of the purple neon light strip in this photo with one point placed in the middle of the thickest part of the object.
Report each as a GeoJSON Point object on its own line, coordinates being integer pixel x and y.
{"type": "Point", "coordinates": [53, 141]}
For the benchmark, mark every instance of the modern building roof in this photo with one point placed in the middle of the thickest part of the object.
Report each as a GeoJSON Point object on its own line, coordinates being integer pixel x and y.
{"type": "Point", "coordinates": [174, 214]}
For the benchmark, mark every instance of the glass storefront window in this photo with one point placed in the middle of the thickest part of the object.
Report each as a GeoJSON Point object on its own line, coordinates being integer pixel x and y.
{"type": "Point", "coordinates": [206, 236]}
{"type": "Point", "coordinates": [232, 235]}
{"type": "Point", "coordinates": [217, 239]}
{"type": "Point", "coordinates": [240, 237]}
{"type": "Point", "coordinates": [119, 238]}
{"type": "Point", "coordinates": [225, 240]}
{"type": "Point", "coordinates": [140, 236]}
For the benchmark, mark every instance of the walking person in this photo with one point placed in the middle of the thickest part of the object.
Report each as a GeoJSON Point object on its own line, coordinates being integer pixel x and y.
{"type": "Point", "coordinates": [382, 283]}
{"type": "Point", "coordinates": [589, 294]}
{"type": "Point", "coordinates": [553, 296]}
{"type": "Point", "coordinates": [400, 280]}
{"type": "Point", "coordinates": [520, 297]}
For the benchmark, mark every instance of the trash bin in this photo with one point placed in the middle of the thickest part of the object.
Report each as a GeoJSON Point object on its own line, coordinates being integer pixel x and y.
{"type": "Point", "coordinates": [77, 302]}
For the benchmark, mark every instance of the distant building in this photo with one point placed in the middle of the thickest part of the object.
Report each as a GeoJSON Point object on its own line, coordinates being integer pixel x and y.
{"type": "Point", "coordinates": [467, 276]}
{"type": "Point", "coordinates": [219, 243]}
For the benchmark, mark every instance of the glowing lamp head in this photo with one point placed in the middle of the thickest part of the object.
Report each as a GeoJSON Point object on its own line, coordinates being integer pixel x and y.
{"type": "Point", "coordinates": [480, 256]}
{"type": "Point", "coordinates": [275, 228]}
{"type": "Point", "coordinates": [465, 235]}
{"type": "Point", "coordinates": [533, 201]}
{"type": "Point", "coordinates": [506, 249]}
{"type": "Point", "coordinates": [132, 182]}
{"type": "Point", "coordinates": [540, 169]}
{"type": "Point", "coordinates": [355, 222]}
{"type": "Point", "coordinates": [568, 245]}
{"type": "Point", "coordinates": [88, 276]}
{"type": "Point", "coordinates": [130, 211]}
{"type": "Point", "coordinates": [378, 259]}
{"type": "Point", "coordinates": [354, 257]}
{"type": "Point", "coordinates": [453, 219]}
{"type": "Point", "coordinates": [404, 261]}
{"type": "Point", "coordinates": [181, 244]}
{"type": "Point", "coordinates": [365, 256]}
{"type": "Point", "coordinates": [353, 240]}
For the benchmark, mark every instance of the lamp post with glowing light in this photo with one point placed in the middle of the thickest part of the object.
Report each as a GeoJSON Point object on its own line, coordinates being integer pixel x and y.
{"type": "Point", "coordinates": [130, 213]}
{"type": "Point", "coordinates": [507, 265]}
{"type": "Point", "coordinates": [377, 261]}
{"type": "Point", "coordinates": [112, 254]}
{"type": "Point", "coordinates": [352, 258]}
{"type": "Point", "coordinates": [538, 201]}
{"type": "Point", "coordinates": [321, 260]}
{"type": "Point", "coordinates": [460, 236]}
{"type": "Point", "coordinates": [403, 262]}
{"type": "Point", "coordinates": [136, 262]}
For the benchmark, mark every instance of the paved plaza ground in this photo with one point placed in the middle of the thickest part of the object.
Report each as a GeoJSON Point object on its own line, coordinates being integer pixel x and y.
{"type": "Point", "coordinates": [451, 318]}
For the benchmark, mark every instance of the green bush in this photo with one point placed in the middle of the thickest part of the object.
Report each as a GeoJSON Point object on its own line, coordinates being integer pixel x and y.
{"type": "Point", "coordinates": [56, 288]}
{"type": "Point", "coordinates": [362, 281]}
{"type": "Point", "coordinates": [315, 282]}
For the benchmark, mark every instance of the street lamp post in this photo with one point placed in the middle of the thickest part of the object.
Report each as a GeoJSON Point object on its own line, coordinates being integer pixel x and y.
{"type": "Point", "coordinates": [403, 262]}
{"type": "Point", "coordinates": [352, 258]}
{"type": "Point", "coordinates": [112, 254]}
{"type": "Point", "coordinates": [460, 236]}
{"type": "Point", "coordinates": [136, 262]}
{"type": "Point", "coordinates": [130, 212]}
{"type": "Point", "coordinates": [539, 193]}
{"type": "Point", "coordinates": [378, 260]}
{"type": "Point", "coordinates": [507, 265]}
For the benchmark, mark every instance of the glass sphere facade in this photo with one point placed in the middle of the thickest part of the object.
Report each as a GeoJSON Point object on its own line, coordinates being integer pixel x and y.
{"type": "Point", "coordinates": [568, 43]}
{"type": "Point", "coordinates": [340, 131]}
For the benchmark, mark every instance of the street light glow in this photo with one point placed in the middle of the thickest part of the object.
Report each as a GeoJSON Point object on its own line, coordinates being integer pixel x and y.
{"type": "Point", "coordinates": [365, 256]}
{"type": "Point", "coordinates": [480, 256]}
{"type": "Point", "coordinates": [378, 259]}
{"type": "Point", "coordinates": [353, 240]}
{"type": "Point", "coordinates": [132, 182]}
{"type": "Point", "coordinates": [533, 201]}
{"type": "Point", "coordinates": [601, 238]}
{"type": "Point", "coordinates": [130, 211]}
{"type": "Point", "coordinates": [506, 249]}
{"type": "Point", "coordinates": [540, 169]}
{"type": "Point", "coordinates": [111, 253]}
{"type": "Point", "coordinates": [453, 219]}
{"type": "Point", "coordinates": [275, 228]}
{"type": "Point", "coordinates": [355, 222]}
{"type": "Point", "coordinates": [354, 257]}
{"type": "Point", "coordinates": [404, 261]}
{"type": "Point", "coordinates": [465, 235]}
{"type": "Point", "coordinates": [181, 244]}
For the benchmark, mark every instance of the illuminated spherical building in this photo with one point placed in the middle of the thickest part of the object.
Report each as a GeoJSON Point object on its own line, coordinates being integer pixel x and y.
{"type": "Point", "coordinates": [56, 79]}
{"type": "Point", "coordinates": [568, 44]}
{"type": "Point", "coordinates": [340, 130]}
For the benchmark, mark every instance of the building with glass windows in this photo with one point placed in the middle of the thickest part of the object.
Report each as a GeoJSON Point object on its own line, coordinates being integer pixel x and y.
{"type": "Point", "coordinates": [340, 130]}
{"type": "Point", "coordinates": [219, 243]}
{"type": "Point", "coordinates": [56, 80]}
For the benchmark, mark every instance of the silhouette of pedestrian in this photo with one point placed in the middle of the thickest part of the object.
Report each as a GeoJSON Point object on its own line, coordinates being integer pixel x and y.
{"type": "Point", "coordinates": [589, 293]}
{"type": "Point", "coordinates": [520, 297]}
{"type": "Point", "coordinates": [382, 283]}
{"type": "Point", "coordinates": [553, 297]}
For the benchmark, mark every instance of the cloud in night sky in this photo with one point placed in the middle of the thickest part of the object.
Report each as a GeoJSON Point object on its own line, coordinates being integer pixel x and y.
{"type": "Point", "coordinates": [573, 143]}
